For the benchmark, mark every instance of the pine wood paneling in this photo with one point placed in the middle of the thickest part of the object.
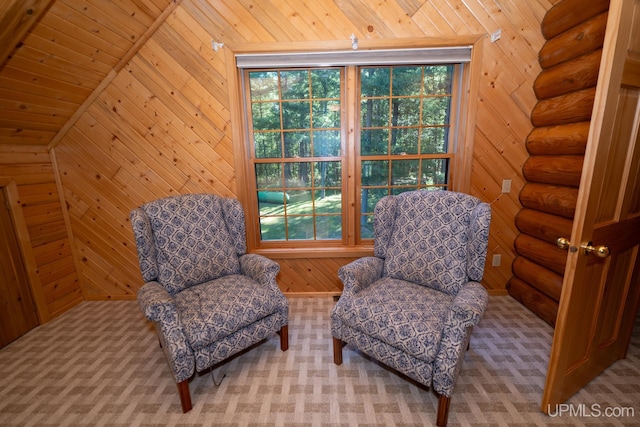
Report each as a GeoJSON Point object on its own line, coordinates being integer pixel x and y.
{"type": "Point", "coordinates": [154, 119]}
{"type": "Point", "coordinates": [160, 123]}
{"type": "Point", "coordinates": [17, 17]}
{"type": "Point", "coordinates": [309, 276]}
{"type": "Point", "coordinates": [165, 120]}
{"type": "Point", "coordinates": [62, 59]}
{"type": "Point", "coordinates": [42, 229]}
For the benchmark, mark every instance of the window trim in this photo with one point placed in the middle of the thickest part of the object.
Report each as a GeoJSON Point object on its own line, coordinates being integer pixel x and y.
{"type": "Point", "coordinates": [340, 58]}
{"type": "Point", "coordinates": [461, 181]}
{"type": "Point", "coordinates": [252, 159]}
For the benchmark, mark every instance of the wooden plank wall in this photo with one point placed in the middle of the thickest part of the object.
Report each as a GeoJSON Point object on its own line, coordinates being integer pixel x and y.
{"type": "Point", "coordinates": [162, 124]}
{"type": "Point", "coordinates": [28, 174]}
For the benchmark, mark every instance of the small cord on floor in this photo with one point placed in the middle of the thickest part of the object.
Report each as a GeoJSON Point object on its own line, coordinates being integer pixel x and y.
{"type": "Point", "coordinates": [217, 384]}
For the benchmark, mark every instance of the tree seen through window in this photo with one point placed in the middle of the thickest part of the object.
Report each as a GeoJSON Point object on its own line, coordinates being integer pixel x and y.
{"type": "Point", "coordinates": [298, 130]}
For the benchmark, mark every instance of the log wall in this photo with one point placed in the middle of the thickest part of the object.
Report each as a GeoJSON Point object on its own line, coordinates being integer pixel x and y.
{"type": "Point", "coordinates": [565, 89]}
{"type": "Point", "coordinates": [28, 175]}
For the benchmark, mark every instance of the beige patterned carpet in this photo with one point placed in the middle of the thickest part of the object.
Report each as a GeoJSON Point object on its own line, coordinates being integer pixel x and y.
{"type": "Point", "coordinates": [100, 365]}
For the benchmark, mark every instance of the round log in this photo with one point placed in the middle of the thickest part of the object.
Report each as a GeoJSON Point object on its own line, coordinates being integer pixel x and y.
{"type": "Point", "coordinates": [569, 13]}
{"type": "Point", "coordinates": [577, 74]}
{"type": "Point", "coordinates": [544, 280]}
{"type": "Point", "coordinates": [567, 139]}
{"type": "Point", "coordinates": [569, 108]}
{"type": "Point", "coordinates": [542, 225]}
{"type": "Point", "coordinates": [561, 170]}
{"type": "Point", "coordinates": [540, 252]}
{"type": "Point", "coordinates": [577, 41]}
{"type": "Point", "coordinates": [540, 304]}
{"type": "Point", "coordinates": [552, 199]}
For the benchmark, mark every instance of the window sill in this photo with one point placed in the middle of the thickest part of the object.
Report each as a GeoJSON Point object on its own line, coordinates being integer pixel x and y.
{"type": "Point", "coordinates": [324, 252]}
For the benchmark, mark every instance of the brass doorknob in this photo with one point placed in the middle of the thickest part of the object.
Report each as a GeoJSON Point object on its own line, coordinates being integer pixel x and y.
{"type": "Point", "coordinates": [599, 251]}
{"type": "Point", "coordinates": [587, 248]}
{"type": "Point", "coordinates": [563, 243]}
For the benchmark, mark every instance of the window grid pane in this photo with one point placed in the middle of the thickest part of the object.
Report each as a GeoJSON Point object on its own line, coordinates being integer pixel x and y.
{"type": "Point", "coordinates": [405, 115]}
{"type": "Point", "coordinates": [296, 117]}
{"type": "Point", "coordinates": [296, 132]}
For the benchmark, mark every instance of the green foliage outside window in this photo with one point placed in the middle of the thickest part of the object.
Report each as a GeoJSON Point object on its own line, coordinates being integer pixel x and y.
{"type": "Point", "coordinates": [404, 126]}
{"type": "Point", "coordinates": [404, 123]}
{"type": "Point", "coordinates": [296, 115]}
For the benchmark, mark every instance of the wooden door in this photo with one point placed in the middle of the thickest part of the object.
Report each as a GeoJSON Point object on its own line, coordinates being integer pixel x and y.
{"type": "Point", "coordinates": [601, 285]}
{"type": "Point", "coordinates": [17, 310]}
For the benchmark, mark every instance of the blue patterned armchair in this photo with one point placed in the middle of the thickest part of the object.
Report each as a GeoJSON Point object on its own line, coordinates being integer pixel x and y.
{"type": "Point", "coordinates": [207, 297]}
{"type": "Point", "coordinates": [412, 305]}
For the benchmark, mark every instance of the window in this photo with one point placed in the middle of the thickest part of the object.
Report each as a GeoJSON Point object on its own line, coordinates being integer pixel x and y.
{"type": "Point", "coordinates": [327, 139]}
{"type": "Point", "coordinates": [296, 153]}
{"type": "Point", "coordinates": [405, 117]}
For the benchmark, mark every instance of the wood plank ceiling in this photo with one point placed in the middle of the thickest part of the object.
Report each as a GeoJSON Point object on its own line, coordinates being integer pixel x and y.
{"type": "Point", "coordinates": [133, 104]}
{"type": "Point", "coordinates": [56, 53]}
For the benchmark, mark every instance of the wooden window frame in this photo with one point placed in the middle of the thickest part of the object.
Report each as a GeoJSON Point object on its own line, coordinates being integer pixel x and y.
{"type": "Point", "coordinates": [255, 160]}
{"type": "Point", "coordinates": [350, 246]}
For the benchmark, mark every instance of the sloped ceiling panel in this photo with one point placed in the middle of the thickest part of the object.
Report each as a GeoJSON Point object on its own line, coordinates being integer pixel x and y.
{"type": "Point", "coordinates": [17, 17]}
{"type": "Point", "coordinates": [73, 46]}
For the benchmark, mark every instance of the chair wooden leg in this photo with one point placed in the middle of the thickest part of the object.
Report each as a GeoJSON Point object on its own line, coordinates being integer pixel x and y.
{"type": "Point", "coordinates": [337, 351]}
{"type": "Point", "coordinates": [185, 396]}
{"type": "Point", "coordinates": [443, 411]}
{"type": "Point", "coordinates": [284, 338]}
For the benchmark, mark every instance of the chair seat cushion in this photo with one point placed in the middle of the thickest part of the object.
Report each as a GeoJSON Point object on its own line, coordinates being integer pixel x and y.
{"type": "Point", "coordinates": [405, 315]}
{"type": "Point", "coordinates": [213, 310]}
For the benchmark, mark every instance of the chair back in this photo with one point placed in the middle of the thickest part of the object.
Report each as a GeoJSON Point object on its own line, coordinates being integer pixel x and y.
{"type": "Point", "coordinates": [189, 239]}
{"type": "Point", "coordinates": [433, 238]}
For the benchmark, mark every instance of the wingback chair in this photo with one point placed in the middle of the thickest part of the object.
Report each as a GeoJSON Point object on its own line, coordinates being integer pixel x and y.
{"type": "Point", "coordinates": [208, 298]}
{"type": "Point", "coordinates": [413, 304]}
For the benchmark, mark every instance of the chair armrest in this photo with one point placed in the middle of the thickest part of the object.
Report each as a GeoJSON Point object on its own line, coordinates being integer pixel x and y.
{"type": "Point", "coordinates": [465, 311]}
{"type": "Point", "coordinates": [359, 274]}
{"type": "Point", "coordinates": [157, 305]}
{"type": "Point", "coordinates": [155, 302]}
{"type": "Point", "coordinates": [260, 268]}
{"type": "Point", "coordinates": [468, 306]}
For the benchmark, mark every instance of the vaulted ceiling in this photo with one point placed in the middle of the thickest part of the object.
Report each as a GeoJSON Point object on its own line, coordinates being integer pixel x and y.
{"type": "Point", "coordinates": [56, 55]}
